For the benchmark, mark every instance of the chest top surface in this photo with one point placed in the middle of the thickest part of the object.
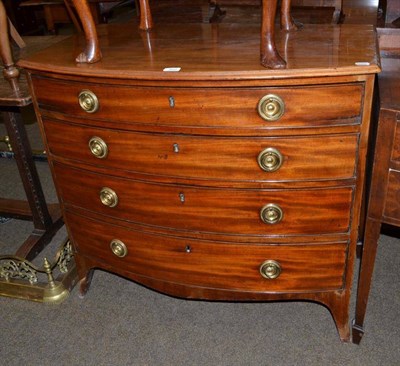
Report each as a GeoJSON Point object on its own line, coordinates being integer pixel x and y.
{"type": "Point", "coordinates": [214, 52]}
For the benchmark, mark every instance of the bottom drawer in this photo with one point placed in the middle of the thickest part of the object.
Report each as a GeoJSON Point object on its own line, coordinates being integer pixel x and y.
{"type": "Point", "coordinates": [217, 265]}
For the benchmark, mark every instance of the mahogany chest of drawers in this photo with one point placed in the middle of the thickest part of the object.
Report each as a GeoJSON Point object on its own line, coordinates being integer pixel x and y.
{"type": "Point", "coordinates": [184, 165]}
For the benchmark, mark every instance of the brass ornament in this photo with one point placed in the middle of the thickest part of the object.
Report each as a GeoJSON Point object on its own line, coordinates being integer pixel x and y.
{"type": "Point", "coordinates": [271, 107]}
{"type": "Point", "coordinates": [271, 214]}
{"type": "Point", "coordinates": [14, 268]}
{"type": "Point", "coordinates": [118, 248]}
{"type": "Point", "coordinates": [270, 269]}
{"type": "Point", "coordinates": [98, 147]}
{"type": "Point", "coordinates": [6, 140]}
{"type": "Point", "coordinates": [88, 101]}
{"type": "Point", "coordinates": [20, 279]}
{"type": "Point", "coordinates": [108, 197]}
{"type": "Point", "coordinates": [270, 159]}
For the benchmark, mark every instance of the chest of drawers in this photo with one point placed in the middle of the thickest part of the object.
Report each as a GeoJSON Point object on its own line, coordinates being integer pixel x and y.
{"type": "Point", "coordinates": [223, 181]}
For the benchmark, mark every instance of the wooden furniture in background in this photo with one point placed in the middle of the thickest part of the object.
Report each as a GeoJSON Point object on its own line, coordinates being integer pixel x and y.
{"type": "Point", "coordinates": [27, 21]}
{"type": "Point", "coordinates": [183, 164]}
{"type": "Point", "coordinates": [383, 201]}
{"type": "Point", "coordinates": [335, 4]}
{"type": "Point", "coordinates": [57, 12]}
{"type": "Point", "coordinates": [390, 17]}
{"type": "Point", "coordinates": [14, 94]}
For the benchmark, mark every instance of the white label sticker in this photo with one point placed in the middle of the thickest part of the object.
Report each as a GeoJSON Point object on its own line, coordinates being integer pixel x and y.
{"type": "Point", "coordinates": [172, 69]}
{"type": "Point", "coordinates": [362, 63]}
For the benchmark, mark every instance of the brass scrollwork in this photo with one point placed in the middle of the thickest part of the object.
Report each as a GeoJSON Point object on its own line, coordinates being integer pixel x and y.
{"type": "Point", "coordinates": [14, 271]}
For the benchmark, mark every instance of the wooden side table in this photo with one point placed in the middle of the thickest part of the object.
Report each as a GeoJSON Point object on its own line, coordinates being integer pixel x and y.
{"type": "Point", "coordinates": [383, 205]}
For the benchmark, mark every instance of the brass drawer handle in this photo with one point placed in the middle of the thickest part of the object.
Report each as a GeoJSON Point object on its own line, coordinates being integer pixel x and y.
{"type": "Point", "coordinates": [98, 147]}
{"type": "Point", "coordinates": [271, 107]}
{"type": "Point", "coordinates": [108, 197]}
{"type": "Point", "coordinates": [271, 213]}
{"type": "Point", "coordinates": [88, 101]}
{"type": "Point", "coordinates": [270, 269]}
{"type": "Point", "coordinates": [118, 248]}
{"type": "Point", "coordinates": [270, 159]}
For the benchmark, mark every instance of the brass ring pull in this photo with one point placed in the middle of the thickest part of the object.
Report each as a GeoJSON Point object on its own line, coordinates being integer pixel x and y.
{"type": "Point", "coordinates": [118, 248]}
{"type": "Point", "coordinates": [88, 101]}
{"type": "Point", "coordinates": [271, 214]}
{"type": "Point", "coordinates": [98, 147]}
{"type": "Point", "coordinates": [270, 159]}
{"type": "Point", "coordinates": [270, 269]}
{"type": "Point", "coordinates": [271, 107]}
{"type": "Point", "coordinates": [108, 197]}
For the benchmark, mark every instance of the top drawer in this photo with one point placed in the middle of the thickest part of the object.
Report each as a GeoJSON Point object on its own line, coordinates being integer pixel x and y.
{"type": "Point", "coordinates": [301, 106]}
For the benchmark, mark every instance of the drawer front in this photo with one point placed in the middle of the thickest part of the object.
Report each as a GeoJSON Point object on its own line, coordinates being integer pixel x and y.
{"type": "Point", "coordinates": [209, 264]}
{"type": "Point", "coordinates": [234, 159]}
{"type": "Point", "coordinates": [236, 211]}
{"type": "Point", "coordinates": [396, 142]}
{"type": "Point", "coordinates": [205, 107]}
{"type": "Point", "coordinates": [392, 207]}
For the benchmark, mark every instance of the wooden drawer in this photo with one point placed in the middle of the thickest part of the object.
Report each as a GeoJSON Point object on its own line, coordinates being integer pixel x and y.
{"type": "Point", "coordinates": [236, 211]}
{"type": "Point", "coordinates": [204, 107]}
{"type": "Point", "coordinates": [211, 264]}
{"type": "Point", "coordinates": [392, 208]}
{"type": "Point", "coordinates": [234, 159]}
{"type": "Point", "coordinates": [396, 141]}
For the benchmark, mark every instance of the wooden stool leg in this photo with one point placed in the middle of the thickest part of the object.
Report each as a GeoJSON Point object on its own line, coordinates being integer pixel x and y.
{"type": "Point", "coordinates": [270, 57]}
{"type": "Point", "coordinates": [146, 20]}
{"type": "Point", "coordinates": [287, 22]}
{"type": "Point", "coordinates": [92, 51]}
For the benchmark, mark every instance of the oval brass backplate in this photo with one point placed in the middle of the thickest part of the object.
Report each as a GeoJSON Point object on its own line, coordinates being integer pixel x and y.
{"type": "Point", "coordinates": [108, 197]}
{"type": "Point", "coordinates": [88, 101]}
{"type": "Point", "coordinates": [118, 248]}
{"type": "Point", "coordinates": [98, 147]}
{"type": "Point", "coordinates": [271, 213]}
{"type": "Point", "coordinates": [271, 107]}
{"type": "Point", "coordinates": [270, 159]}
{"type": "Point", "coordinates": [270, 269]}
